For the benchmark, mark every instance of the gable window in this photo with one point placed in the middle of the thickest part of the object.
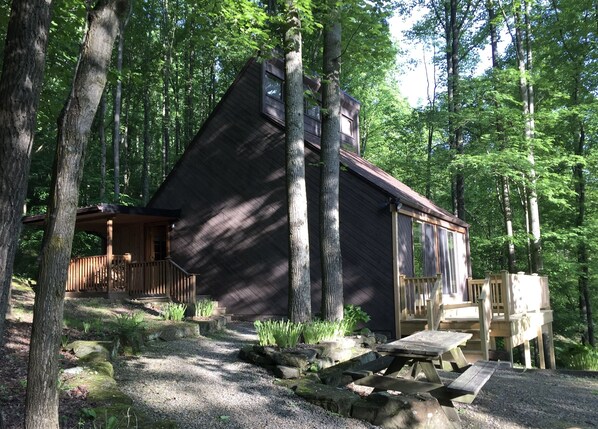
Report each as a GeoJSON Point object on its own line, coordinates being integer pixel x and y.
{"type": "Point", "coordinates": [346, 125]}
{"type": "Point", "coordinates": [273, 86]}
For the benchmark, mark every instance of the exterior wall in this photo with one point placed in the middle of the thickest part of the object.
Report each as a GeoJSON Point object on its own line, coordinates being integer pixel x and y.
{"type": "Point", "coordinates": [233, 232]}
{"type": "Point", "coordinates": [128, 238]}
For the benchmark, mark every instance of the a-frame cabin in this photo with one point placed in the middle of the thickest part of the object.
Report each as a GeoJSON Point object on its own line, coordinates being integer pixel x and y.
{"type": "Point", "coordinates": [221, 213]}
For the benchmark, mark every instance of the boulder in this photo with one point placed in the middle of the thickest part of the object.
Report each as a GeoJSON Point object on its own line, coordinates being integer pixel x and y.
{"type": "Point", "coordinates": [335, 400]}
{"type": "Point", "coordinates": [175, 332]}
{"type": "Point", "coordinates": [82, 349]}
{"type": "Point", "coordinates": [401, 411]}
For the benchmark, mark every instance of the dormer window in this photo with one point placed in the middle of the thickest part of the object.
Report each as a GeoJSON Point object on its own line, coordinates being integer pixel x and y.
{"type": "Point", "coordinates": [273, 86]}
{"type": "Point", "coordinates": [346, 125]}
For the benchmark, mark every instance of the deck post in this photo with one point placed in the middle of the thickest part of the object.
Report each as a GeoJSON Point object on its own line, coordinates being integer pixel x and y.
{"type": "Point", "coordinates": [396, 269]}
{"type": "Point", "coordinates": [527, 354]}
{"type": "Point", "coordinates": [109, 253]}
{"type": "Point", "coordinates": [507, 291]}
{"type": "Point", "coordinates": [540, 348]}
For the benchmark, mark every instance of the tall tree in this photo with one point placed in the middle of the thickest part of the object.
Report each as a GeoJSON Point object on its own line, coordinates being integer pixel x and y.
{"type": "Point", "coordinates": [74, 125]}
{"type": "Point", "coordinates": [20, 87]}
{"type": "Point", "coordinates": [118, 91]}
{"type": "Point", "coordinates": [504, 184]}
{"type": "Point", "coordinates": [330, 243]}
{"type": "Point", "coordinates": [299, 265]}
{"type": "Point", "coordinates": [521, 12]}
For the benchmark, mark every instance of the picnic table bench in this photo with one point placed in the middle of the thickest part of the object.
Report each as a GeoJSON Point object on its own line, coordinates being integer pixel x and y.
{"type": "Point", "coordinates": [420, 350]}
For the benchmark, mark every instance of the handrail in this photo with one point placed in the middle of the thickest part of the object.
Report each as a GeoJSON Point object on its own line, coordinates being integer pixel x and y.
{"type": "Point", "coordinates": [181, 268]}
{"type": "Point", "coordinates": [434, 305]}
{"type": "Point", "coordinates": [485, 315]}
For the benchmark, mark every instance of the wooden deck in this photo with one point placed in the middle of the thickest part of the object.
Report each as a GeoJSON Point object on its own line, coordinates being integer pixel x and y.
{"type": "Point", "coordinates": [514, 308]}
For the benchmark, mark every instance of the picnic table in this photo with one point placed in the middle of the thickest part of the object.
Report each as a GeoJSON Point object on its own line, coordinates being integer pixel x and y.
{"type": "Point", "coordinates": [421, 350]}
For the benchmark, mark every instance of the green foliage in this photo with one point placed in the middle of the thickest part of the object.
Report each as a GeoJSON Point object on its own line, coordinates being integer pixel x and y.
{"type": "Point", "coordinates": [278, 332]}
{"type": "Point", "coordinates": [204, 308]}
{"type": "Point", "coordinates": [576, 356]}
{"type": "Point", "coordinates": [129, 327]}
{"type": "Point", "coordinates": [353, 315]}
{"type": "Point", "coordinates": [174, 311]}
{"type": "Point", "coordinates": [323, 330]}
{"type": "Point", "coordinates": [265, 332]}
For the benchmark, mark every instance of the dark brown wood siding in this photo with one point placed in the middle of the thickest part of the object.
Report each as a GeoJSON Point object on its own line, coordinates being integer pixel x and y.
{"type": "Point", "coordinates": [233, 232]}
{"type": "Point", "coordinates": [230, 187]}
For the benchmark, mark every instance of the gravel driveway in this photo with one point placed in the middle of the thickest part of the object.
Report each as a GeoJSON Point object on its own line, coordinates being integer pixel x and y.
{"type": "Point", "coordinates": [200, 383]}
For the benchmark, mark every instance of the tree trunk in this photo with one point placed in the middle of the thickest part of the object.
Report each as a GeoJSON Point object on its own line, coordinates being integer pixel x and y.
{"type": "Point", "coordinates": [526, 89]}
{"type": "Point", "coordinates": [504, 195]}
{"type": "Point", "coordinates": [146, 148]}
{"type": "Point", "coordinates": [582, 249]}
{"type": "Point", "coordinates": [330, 241]}
{"type": "Point", "coordinates": [299, 265]}
{"type": "Point", "coordinates": [74, 125]}
{"type": "Point", "coordinates": [20, 86]}
{"type": "Point", "coordinates": [117, 108]}
{"type": "Point", "coordinates": [102, 136]}
{"type": "Point", "coordinates": [167, 54]}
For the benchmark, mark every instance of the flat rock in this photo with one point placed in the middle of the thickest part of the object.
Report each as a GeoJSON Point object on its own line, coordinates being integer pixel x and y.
{"type": "Point", "coordinates": [286, 372]}
{"type": "Point", "coordinates": [335, 400]}
{"type": "Point", "coordinates": [401, 411]}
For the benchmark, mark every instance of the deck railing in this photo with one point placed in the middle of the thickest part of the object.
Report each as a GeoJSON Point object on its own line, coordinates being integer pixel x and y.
{"type": "Point", "coordinates": [91, 274]}
{"type": "Point", "coordinates": [415, 294]}
{"type": "Point", "coordinates": [162, 278]}
{"type": "Point", "coordinates": [165, 278]}
{"type": "Point", "coordinates": [512, 293]}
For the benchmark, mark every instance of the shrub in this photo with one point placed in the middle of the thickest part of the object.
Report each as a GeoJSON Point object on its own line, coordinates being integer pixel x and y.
{"type": "Point", "coordinates": [173, 311]}
{"type": "Point", "coordinates": [322, 330]}
{"type": "Point", "coordinates": [204, 308]}
{"type": "Point", "coordinates": [281, 333]}
{"type": "Point", "coordinates": [129, 328]}
{"type": "Point", "coordinates": [352, 316]}
{"type": "Point", "coordinates": [577, 356]}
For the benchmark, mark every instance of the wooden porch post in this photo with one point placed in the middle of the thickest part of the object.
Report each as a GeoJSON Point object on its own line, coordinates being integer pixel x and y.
{"type": "Point", "coordinates": [109, 253]}
{"type": "Point", "coordinates": [168, 237]}
{"type": "Point", "coordinates": [396, 269]}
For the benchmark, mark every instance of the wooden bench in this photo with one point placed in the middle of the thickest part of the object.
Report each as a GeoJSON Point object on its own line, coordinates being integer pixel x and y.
{"type": "Point", "coordinates": [467, 386]}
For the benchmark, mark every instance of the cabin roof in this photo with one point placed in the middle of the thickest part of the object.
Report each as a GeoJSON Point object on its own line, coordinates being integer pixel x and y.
{"type": "Point", "coordinates": [389, 184]}
{"type": "Point", "coordinates": [94, 217]}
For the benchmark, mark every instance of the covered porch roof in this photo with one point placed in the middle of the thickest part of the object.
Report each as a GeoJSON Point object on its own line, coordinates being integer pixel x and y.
{"type": "Point", "coordinates": [94, 218]}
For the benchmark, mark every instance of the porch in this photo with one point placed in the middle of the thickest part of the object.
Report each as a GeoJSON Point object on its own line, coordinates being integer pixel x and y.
{"type": "Point", "coordinates": [503, 309]}
{"type": "Point", "coordinates": [134, 256]}
{"type": "Point", "coordinates": [116, 276]}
